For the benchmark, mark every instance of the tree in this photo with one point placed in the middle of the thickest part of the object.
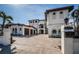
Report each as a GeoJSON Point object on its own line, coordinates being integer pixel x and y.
{"type": "Point", "coordinates": [75, 15]}
{"type": "Point", "coordinates": [5, 18]}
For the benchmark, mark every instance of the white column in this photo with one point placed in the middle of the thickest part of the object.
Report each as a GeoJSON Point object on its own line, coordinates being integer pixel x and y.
{"type": "Point", "coordinates": [23, 30]}
{"type": "Point", "coordinates": [29, 32]}
{"type": "Point", "coordinates": [66, 43]}
{"type": "Point", "coordinates": [57, 31]}
{"type": "Point", "coordinates": [32, 31]}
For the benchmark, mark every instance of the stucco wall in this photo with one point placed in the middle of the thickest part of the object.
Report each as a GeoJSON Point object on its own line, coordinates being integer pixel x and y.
{"type": "Point", "coordinates": [66, 43]}
{"type": "Point", "coordinates": [69, 45]}
{"type": "Point", "coordinates": [76, 45]}
{"type": "Point", "coordinates": [18, 29]}
{"type": "Point", "coordinates": [55, 21]}
{"type": "Point", "coordinates": [36, 25]}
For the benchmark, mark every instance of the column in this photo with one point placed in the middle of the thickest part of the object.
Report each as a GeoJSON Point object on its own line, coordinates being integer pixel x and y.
{"type": "Point", "coordinates": [66, 43]}
{"type": "Point", "coordinates": [29, 32]}
{"type": "Point", "coordinates": [23, 30]}
{"type": "Point", "coordinates": [32, 31]}
{"type": "Point", "coordinates": [44, 31]}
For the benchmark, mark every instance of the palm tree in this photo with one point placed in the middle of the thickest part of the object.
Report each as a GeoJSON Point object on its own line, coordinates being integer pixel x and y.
{"type": "Point", "coordinates": [5, 18]}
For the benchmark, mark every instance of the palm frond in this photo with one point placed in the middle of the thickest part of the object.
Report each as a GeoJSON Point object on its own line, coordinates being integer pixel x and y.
{"type": "Point", "coordinates": [9, 18]}
{"type": "Point", "coordinates": [9, 21]}
{"type": "Point", "coordinates": [2, 14]}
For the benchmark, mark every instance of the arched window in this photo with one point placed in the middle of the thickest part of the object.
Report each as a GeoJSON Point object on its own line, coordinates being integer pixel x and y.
{"type": "Point", "coordinates": [15, 30]}
{"type": "Point", "coordinates": [20, 29]}
{"type": "Point", "coordinates": [54, 13]}
{"type": "Point", "coordinates": [54, 31]}
{"type": "Point", "coordinates": [61, 12]}
{"type": "Point", "coordinates": [59, 31]}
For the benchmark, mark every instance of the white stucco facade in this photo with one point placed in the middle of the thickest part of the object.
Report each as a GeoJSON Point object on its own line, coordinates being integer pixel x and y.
{"type": "Point", "coordinates": [18, 29]}
{"type": "Point", "coordinates": [55, 19]}
{"type": "Point", "coordinates": [39, 25]}
{"type": "Point", "coordinates": [22, 30]}
{"type": "Point", "coordinates": [55, 23]}
{"type": "Point", "coordinates": [69, 45]}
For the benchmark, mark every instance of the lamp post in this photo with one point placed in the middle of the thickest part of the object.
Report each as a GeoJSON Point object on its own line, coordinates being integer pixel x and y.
{"type": "Point", "coordinates": [66, 20]}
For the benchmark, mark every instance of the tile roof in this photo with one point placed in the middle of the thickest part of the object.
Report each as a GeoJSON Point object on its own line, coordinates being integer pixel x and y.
{"type": "Point", "coordinates": [61, 8]}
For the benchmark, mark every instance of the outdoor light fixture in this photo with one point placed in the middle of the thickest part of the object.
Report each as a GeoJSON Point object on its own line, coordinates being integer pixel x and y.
{"type": "Point", "coordinates": [66, 20]}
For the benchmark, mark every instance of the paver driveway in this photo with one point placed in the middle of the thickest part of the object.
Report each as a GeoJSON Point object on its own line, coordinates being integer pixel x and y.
{"type": "Point", "coordinates": [39, 44]}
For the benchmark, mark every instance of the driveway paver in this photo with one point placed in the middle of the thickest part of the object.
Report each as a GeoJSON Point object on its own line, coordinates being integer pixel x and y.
{"type": "Point", "coordinates": [39, 44]}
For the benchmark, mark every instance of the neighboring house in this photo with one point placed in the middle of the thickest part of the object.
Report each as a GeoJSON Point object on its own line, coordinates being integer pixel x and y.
{"type": "Point", "coordinates": [22, 30]}
{"type": "Point", "coordinates": [40, 25]}
{"type": "Point", "coordinates": [55, 19]}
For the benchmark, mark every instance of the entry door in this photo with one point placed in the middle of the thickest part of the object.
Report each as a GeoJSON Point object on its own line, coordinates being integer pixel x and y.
{"type": "Point", "coordinates": [41, 31]}
{"type": "Point", "coordinates": [26, 31]}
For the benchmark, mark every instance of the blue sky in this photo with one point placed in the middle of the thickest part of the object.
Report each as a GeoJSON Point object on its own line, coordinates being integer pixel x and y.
{"type": "Point", "coordinates": [21, 13]}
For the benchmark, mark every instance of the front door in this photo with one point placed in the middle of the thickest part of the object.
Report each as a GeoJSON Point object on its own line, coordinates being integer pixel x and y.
{"type": "Point", "coordinates": [26, 31]}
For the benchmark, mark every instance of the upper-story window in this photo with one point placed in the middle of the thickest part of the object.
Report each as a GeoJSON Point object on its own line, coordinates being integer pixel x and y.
{"type": "Point", "coordinates": [35, 21]}
{"type": "Point", "coordinates": [61, 12]}
{"type": "Point", "coordinates": [30, 21]}
{"type": "Point", "coordinates": [61, 15]}
{"type": "Point", "coordinates": [54, 15]}
{"type": "Point", "coordinates": [41, 26]}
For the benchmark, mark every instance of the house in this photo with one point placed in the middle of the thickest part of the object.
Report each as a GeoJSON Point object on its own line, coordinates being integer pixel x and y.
{"type": "Point", "coordinates": [55, 19]}
{"type": "Point", "coordinates": [40, 25]}
{"type": "Point", "coordinates": [22, 30]}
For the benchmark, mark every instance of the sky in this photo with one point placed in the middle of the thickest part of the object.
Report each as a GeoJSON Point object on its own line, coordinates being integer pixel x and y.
{"type": "Point", "coordinates": [21, 13]}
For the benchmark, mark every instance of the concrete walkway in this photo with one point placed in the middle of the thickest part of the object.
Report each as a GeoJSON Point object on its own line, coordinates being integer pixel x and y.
{"type": "Point", "coordinates": [39, 44]}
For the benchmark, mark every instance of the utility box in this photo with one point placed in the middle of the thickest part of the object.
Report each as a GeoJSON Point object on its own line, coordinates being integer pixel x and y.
{"type": "Point", "coordinates": [5, 39]}
{"type": "Point", "coordinates": [67, 33]}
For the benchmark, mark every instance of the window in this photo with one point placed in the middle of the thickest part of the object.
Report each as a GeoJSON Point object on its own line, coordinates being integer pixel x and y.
{"type": "Point", "coordinates": [30, 21]}
{"type": "Point", "coordinates": [35, 21]}
{"type": "Point", "coordinates": [20, 29]}
{"type": "Point", "coordinates": [61, 15]}
{"type": "Point", "coordinates": [41, 26]}
{"type": "Point", "coordinates": [54, 13]}
{"type": "Point", "coordinates": [61, 12]}
{"type": "Point", "coordinates": [15, 30]}
{"type": "Point", "coordinates": [54, 31]}
{"type": "Point", "coordinates": [59, 31]}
